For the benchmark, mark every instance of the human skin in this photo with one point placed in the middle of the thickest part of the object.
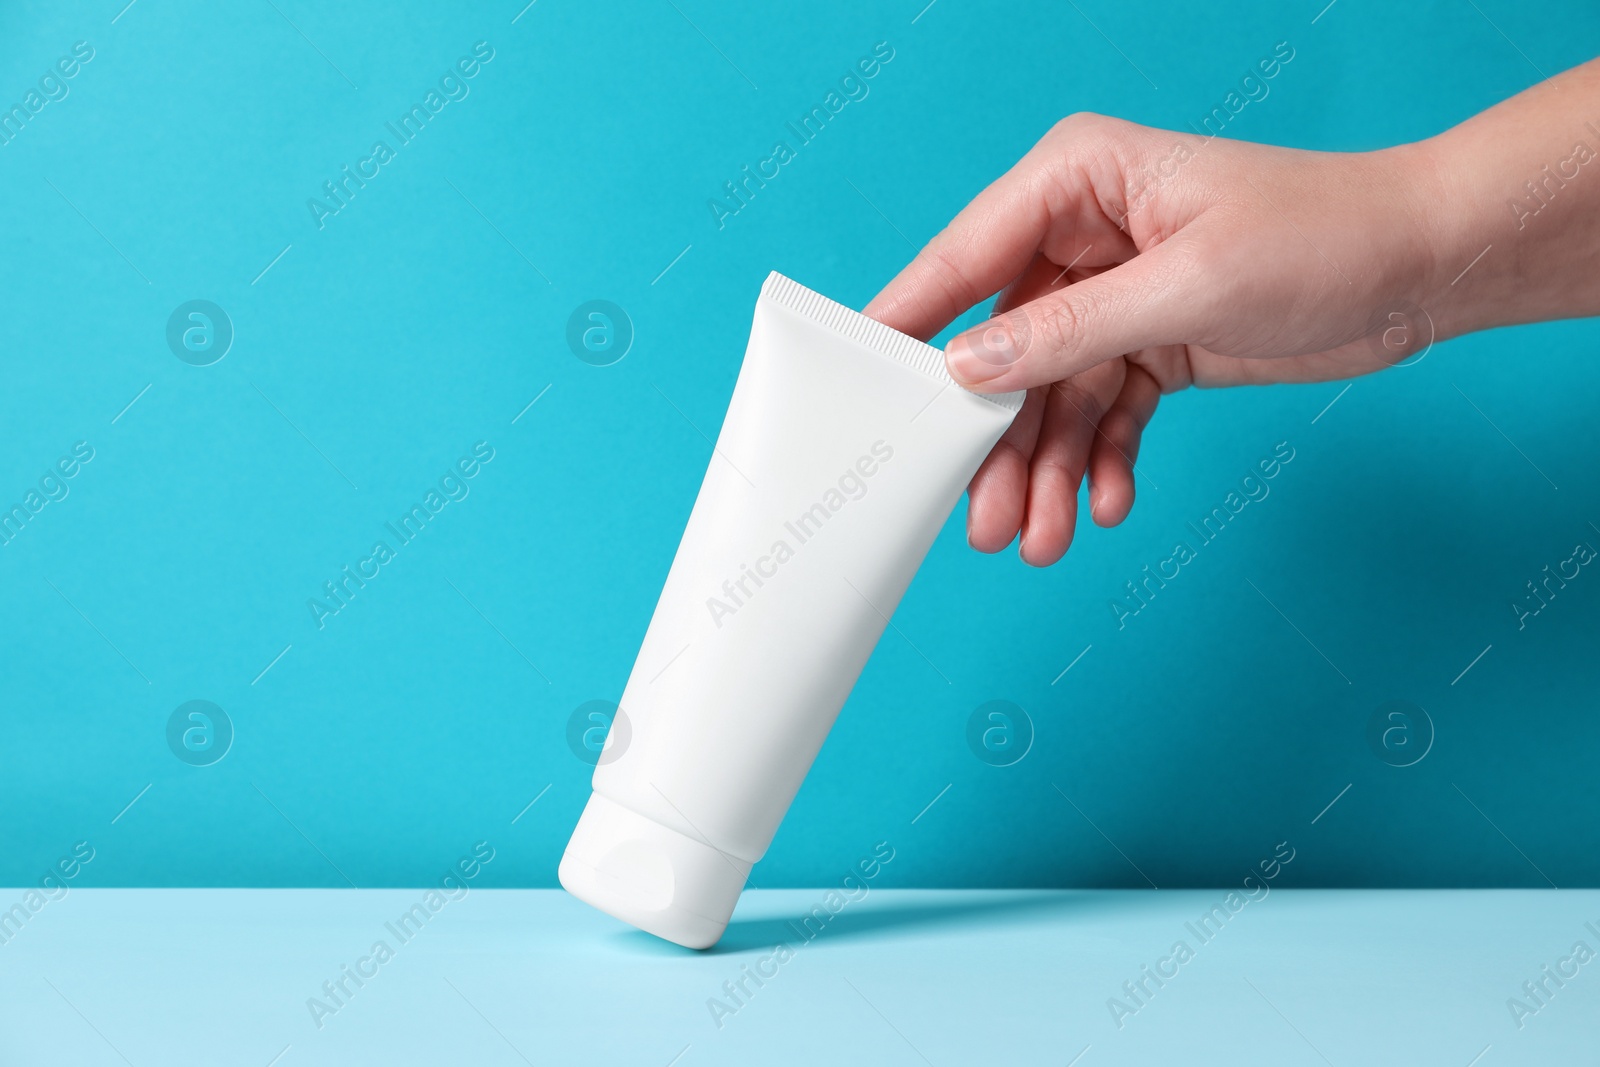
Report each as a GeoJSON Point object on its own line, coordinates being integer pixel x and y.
{"type": "Point", "coordinates": [1133, 262]}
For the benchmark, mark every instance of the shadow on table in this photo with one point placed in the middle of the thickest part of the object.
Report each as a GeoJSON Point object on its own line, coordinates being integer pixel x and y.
{"type": "Point", "coordinates": [900, 915]}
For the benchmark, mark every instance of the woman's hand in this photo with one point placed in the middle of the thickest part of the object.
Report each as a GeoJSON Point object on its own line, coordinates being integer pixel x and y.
{"type": "Point", "coordinates": [1136, 262]}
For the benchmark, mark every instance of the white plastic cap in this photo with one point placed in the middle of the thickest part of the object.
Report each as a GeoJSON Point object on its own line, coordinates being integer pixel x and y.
{"type": "Point", "coordinates": [651, 876]}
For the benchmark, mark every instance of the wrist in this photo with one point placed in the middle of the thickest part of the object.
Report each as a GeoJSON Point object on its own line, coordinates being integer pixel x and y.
{"type": "Point", "coordinates": [1509, 217]}
{"type": "Point", "coordinates": [1430, 231]}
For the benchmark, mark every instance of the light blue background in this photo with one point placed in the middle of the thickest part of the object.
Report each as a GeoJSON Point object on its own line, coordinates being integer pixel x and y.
{"type": "Point", "coordinates": [373, 752]}
{"type": "Point", "coordinates": [902, 978]}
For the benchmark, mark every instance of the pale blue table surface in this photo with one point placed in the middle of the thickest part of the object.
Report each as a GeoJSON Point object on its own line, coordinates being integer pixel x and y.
{"type": "Point", "coordinates": [176, 977]}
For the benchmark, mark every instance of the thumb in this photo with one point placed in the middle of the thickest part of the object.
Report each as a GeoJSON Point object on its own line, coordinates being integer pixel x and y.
{"type": "Point", "coordinates": [1152, 299]}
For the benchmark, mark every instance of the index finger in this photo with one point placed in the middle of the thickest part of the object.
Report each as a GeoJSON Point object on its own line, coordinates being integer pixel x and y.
{"type": "Point", "coordinates": [993, 239]}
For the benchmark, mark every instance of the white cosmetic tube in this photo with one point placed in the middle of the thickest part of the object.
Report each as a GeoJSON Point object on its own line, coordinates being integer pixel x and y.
{"type": "Point", "coordinates": [845, 448]}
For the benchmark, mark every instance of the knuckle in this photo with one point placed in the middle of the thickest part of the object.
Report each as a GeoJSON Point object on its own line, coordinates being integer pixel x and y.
{"type": "Point", "coordinates": [1062, 323]}
{"type": "Point", "coordinates": [1078, 123]}
{"type": "Point", "coordinates": [1119, 425]}
{"type": "Point", "coordinates": [947, 269]}
{"type": "Point", "coordinates": [1082, 400]}
{"type": "Point", "coordinates": [1051, 472]}
{"type": "Point", "coordinates": [1010, 450]}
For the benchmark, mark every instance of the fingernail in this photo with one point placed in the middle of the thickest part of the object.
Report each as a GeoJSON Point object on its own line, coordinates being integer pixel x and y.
{"type": "Point", "coordinates": [1096, 498]}
{"type": "Point", "coordinates": [965, 364]}
{"type": "Point", "coordinates": [984, 353]}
